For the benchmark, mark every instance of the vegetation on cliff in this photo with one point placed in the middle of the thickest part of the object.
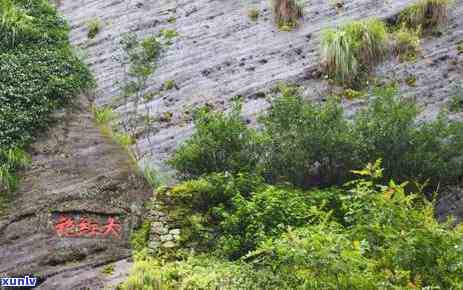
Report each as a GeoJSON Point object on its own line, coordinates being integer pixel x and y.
{"type": "Point", "coordinates": [38, 74]}
{"type": "Point", "coordinates": [260, 209]}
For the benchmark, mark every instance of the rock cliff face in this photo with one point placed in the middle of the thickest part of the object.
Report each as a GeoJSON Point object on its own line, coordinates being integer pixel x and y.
{"type": "Point", "coordinates": [220, 53]}
{"type": "Point", "coordinates": [57, 226]}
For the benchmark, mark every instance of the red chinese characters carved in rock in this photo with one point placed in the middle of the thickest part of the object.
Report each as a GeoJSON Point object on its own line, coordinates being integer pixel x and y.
{"type": "Point", "coordinates": [85, 227]}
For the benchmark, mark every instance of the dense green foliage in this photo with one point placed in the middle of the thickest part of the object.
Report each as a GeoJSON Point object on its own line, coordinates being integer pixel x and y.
{"type": "Point", "coordinates": [222, 142]}
{"type": "Point", "coordinates": [366, 236]}
{"type": "Point", "coordinates": [306, 143]}
{"type": "Point", "coordinates": [38, 72]}
{"type": "Point", "coordinates": [309, 144]}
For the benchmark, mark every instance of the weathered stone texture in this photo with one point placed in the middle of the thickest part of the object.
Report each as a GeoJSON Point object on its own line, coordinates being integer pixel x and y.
{"type": "Point", "coordinates": [78, 172]}
{"type": "Point", "coordinates": [221, 53]}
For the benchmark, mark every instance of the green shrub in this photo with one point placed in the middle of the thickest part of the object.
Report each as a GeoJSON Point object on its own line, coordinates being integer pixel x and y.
{"type": "Point", "coordinates": [309, 144]}
{"type": "Point", "coordinates": [456, 104]}
{"type": "Point", "coordinates": [217, 189]}
{"type": "Point", "coordinates": [267, 213]}
{"type": "Point", "coordinates": [411, 150]}
{"type": "Point", "coordinates": [140, 237]}
{"type": "Point", "coordinates": [388, 239]}
{"type": "Point", "coordinates": [38, 73]}
{"type": "Point", "coordinates": [426, 14]}
{"type": "Point", "coordinates": [94, 27]}
{"type": "Point", "coordinates": [221, 142]}
{"type": "Point", "coordinates": [373, 250]}
{"type": "Point", "coordinates": [306, 144]}
{"type": "Point", "coordinates": [198, 272]}
{"type": "Point", "coordinates": [353, 49]}
{"type": "Point", "coordinates": [198, 203]}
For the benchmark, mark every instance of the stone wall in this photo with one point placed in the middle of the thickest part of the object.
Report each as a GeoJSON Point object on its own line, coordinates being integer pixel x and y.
{"type": "Point", "coordinates": [164, 233]}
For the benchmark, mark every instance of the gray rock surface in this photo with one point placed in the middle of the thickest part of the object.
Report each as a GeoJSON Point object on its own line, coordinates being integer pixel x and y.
{"type": "Point", "coordinates": [75, 172]}
{"type": "Point", "coordinates": [221, 53]}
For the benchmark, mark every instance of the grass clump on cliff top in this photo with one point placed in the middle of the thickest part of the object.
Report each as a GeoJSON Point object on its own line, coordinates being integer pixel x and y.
{"type": "Point", "coordinates": [426, 14]}
{"type": "Point", "coordinates": [94, 27]}
{"type": "Point", "coordinates": [352, 50]}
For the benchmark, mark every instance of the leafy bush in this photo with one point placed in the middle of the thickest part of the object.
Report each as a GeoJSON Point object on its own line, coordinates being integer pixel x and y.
{"type": "Point", "coordinates": [198, 272]}
{"type": "Point", "coordinates": [139, 238]}
{"type": "Point", "coordinates": [411, 150]}
{"type": "Point", "coordinates": [306, 143]}
{"type": "Point", "coordinates": [267, 213]}
{"type": "Point", "coordinates": [383, 238]}
{"type": "Point", "coordinates": [197, 203]}
{"type": "Point", "coordinates": [425, 13]}
{"type": "Point", "coordinates": [221, 143]}
{"type": "Point", "coordinates": [38, 73]}
{"type": "Point", "coordinates": [33, 82]}
{"type": "Point", "coordinates": [309, 144]}
{"type": "Point", "coordinates": [353, 49]}
{"type": "Point", "coordinates": [374, 250]}
{"type": "Point", "coordinates": [205, 193]}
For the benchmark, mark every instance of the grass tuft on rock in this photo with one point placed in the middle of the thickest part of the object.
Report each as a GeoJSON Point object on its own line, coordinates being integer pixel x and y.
{"type": "Point", "coordinates": [352, 50]}
{"type": "Point", "coordinates": [426, 14]}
